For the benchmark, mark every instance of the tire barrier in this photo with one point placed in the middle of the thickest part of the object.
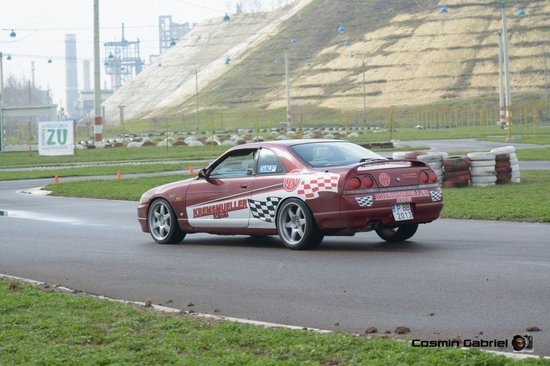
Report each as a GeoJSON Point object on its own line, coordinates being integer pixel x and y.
{"type": "Point", "coordinates": [507, 165]}
{"type": "Point", "coordinates": [434, 160]}
{"type": "Point", "coordinates": [483, 169]}
{"type": "Point", "coordinates": [479, 169]}
{"type": "Point", "coordinates": [456, 171]}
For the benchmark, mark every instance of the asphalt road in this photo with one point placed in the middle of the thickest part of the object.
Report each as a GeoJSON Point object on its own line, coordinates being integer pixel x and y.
{"type": "Point", "coordinates": [471, 279]}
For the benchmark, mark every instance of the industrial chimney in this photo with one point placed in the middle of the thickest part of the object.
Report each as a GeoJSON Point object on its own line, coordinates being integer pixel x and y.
{"type": "Point", "coordinates": [71, 75]}
{"type": "Point", "coordinates": [86, 75]}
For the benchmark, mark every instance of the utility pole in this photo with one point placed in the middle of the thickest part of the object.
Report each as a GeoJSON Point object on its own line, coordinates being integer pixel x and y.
{"type": "Point", "coordinates": [98, 121]}
{"type": "Point", "coordinates": [545, 83]}
{"type": "Point", "coordinates": [502, 104]}
{"type": "Point", "coordinates": [197, 96]}
{"type": "Point", "coordinates": [508, 95]}
{"type": "Point", "coordinates": [1, 104]}
{"type": "Point", "coordinates": [32, 74]}
{"type": "Point", "coordinates": [121, 115]}
{"type": "Point", "coordinates": [364, 96]}
{"type": "Point", "coordinates": [288, 111]}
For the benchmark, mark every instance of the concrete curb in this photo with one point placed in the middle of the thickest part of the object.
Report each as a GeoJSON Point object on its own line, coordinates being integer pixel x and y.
{"type": "Point", "coordinates": [169, 310]}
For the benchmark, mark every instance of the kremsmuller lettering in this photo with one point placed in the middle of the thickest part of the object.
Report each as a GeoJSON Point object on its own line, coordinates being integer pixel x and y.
{"type": "Point", "coordinates": [220, 208]}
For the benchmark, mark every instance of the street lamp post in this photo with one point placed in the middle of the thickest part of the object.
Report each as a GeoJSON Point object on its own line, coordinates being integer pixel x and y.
{"type": "Point", "coordinates": [502, 104]}
{"type": "Point", "coordinates": [1, 104]}
{"type": "Point", "coordinates": [545, 83]}
{"type": "Point", "coordinates": [364, 94]}
{"type": "Point", "coordinates": [288, 112]}
{"type": "Point", "coordinates": [98, 120]}
{"type": "Point", "coordinates": [197, 97]}
{"type": "Point", "coordinates": [506, 61]}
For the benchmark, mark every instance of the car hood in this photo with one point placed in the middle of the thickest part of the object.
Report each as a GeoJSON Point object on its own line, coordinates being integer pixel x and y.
{"type": "Point", "coordinates": [160, 190]}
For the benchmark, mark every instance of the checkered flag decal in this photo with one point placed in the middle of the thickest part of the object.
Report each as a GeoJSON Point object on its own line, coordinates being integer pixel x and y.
{"type": "Point", "coordinates": [364, 201]}
{"type": "Point", "coordinates": [436, 196]}
{"type": "Point", "coordinates": [310, 188]}
{"type": "Point", "coordinates": [264, 210]}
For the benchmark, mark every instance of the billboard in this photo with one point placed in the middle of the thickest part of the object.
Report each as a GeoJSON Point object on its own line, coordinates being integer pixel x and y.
{"type": "Point", "coordinates": [55, 138]}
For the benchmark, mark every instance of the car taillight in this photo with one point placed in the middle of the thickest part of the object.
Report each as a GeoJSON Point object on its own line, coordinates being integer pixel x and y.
{"type": "Point", "coordinates": [433, 177]}
{"type": "Point", "coordinates": [353, 183]}
{"type": "Point", "coordinates": [368, 182]}
{"type": "Point", "coordinates": [424, 177]}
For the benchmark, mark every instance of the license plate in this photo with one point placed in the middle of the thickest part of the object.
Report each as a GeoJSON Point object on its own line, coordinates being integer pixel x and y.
{"type": "Point", "coordinates": [402, 212]}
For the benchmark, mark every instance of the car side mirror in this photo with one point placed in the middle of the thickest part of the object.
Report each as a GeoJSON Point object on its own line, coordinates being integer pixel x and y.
{"type": "Point", "coordinates": [202, 173]}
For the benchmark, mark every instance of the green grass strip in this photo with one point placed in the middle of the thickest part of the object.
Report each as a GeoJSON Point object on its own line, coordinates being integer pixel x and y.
{"type": "Point", "coordinates": [40, 326]}
{"type": "Point", "coordinates": [527, 201]}
{"type": "Point", "coordinates": [91, 171]}
{"type": "Point", "coordinates": [125, 189]}
{"type": "Point", "coordinates": [178, 153]}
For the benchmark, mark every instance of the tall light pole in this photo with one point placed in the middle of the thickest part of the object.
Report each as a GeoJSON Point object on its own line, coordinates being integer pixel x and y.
{"type": "Point", "coordinates": [197, 97]}
{"type": "Point", "coordinates": [506, 60]}
{"type": "Point", "coordinates": [502, 104]}
{"type": "Point", "coordinates": [545, 82]}
{"type": "Point", "coordinates": [364, 94]}
{"type": "Point", "coordinates": [1, 104]}
{"type": "Point", "coordinates": [98, 121]}
{"type": "Point", "coordinates": [288, 111]}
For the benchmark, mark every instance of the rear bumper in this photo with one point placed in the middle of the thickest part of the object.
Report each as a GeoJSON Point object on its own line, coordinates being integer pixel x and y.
{"type": "Point", "coordinates": [359, 212]}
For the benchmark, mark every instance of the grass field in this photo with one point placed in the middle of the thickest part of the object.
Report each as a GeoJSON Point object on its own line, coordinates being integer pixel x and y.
{"type": "Point", "coordinates": [135, 163]}
{"type": "Point", "coordinates": [92, 171]}
{"type": "Point", "coordinates": [41, 326]}
{"type": "Point", "coordinates": [528, 201]}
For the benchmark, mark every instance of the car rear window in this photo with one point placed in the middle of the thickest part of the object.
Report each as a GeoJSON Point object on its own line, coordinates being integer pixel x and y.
{"type": "Point", "coordinates": [327, 154]}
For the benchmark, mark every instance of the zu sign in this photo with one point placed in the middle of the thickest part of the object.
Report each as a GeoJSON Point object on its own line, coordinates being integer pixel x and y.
{"type": "Point", "coordinates": [55, 138]}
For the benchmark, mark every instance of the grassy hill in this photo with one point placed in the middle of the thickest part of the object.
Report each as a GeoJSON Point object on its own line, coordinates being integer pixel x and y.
{"type": "Point", "coordinates": [413, 58]}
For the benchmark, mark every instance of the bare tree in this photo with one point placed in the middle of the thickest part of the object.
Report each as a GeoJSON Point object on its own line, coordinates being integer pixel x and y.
{"type": "Point", "coordinates": [21, 92]}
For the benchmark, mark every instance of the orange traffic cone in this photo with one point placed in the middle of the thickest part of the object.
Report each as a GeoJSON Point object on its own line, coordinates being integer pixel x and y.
{"type": "Point", "coordinates": [56, 180]}
{"type": "Point", "coordinates": [190, 169]}
{"type": "Point", "coordinates": [118, 175]}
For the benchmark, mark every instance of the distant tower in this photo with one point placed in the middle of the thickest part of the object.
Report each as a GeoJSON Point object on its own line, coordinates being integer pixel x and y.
{"type": "Point", "coordinates": [170, 32]}
{"type": "Point", "coordinates": [86, 74]}
{"type": "Point", "coordinates": [71, 75]}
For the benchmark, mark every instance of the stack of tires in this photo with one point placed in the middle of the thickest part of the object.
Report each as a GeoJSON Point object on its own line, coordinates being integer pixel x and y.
{"type": "Point", "coordinates": [483, 169]}
{"type": "Point", "coordinates": [507, 165]}
{"type": "Point", "coordinates": [409, 155]}
{"type": "Point", "coordinates": [456, 171]}
{"type": "Point", "coordinates": [433, 159]}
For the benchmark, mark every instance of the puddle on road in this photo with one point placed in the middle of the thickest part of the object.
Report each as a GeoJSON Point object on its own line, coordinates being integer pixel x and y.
{"type": "Point", "coordinates": [27, 215]}
{"type": "Point", "coordinates": [38, 217]}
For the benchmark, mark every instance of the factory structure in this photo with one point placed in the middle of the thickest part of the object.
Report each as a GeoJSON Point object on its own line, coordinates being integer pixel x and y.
{"type": "Point", "coordinates": [122, 62]}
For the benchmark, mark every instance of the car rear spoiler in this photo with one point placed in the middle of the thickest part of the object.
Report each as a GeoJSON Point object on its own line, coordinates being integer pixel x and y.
{"type": "Point", "coordinates": [389, 164]}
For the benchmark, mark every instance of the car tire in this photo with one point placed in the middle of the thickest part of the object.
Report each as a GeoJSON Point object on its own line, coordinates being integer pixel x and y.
{"type": "Point", "coordinates": [398, 233]}
{"type": "Point", "coordinates": [163, 223]}
{"type": "Point", "coordinates": [296, 226]}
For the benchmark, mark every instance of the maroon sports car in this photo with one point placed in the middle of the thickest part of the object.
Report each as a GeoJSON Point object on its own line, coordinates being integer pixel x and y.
{"type": "Point", "coordinates": [301, 190]}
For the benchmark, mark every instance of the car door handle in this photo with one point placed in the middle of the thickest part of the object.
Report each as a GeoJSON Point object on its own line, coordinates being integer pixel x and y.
{"type": "Point", "coordinates": [244, 185]}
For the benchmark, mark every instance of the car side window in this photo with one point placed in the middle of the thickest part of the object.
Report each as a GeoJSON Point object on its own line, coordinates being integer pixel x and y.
{"type": "Point", "coordinates": [239, 164]}
{"type": "Point", "coordinates": [268, 163]}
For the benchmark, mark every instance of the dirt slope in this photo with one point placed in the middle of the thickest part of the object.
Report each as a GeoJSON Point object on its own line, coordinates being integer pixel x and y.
{"type": "Point", "coordinates": [162, 87]}
{"type": "Point", "coordinates": [412, 53]}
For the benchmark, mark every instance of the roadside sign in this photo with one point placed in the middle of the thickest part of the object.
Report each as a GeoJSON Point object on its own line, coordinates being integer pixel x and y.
{"type": "Point", "coordinates": [55, 138]}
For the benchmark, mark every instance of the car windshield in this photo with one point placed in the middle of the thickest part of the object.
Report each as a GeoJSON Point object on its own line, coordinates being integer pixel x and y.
{"type": "Point", "coordinates": [327, 154]}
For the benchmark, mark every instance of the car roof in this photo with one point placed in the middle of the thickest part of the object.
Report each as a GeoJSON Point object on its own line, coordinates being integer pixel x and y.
{"type": "Point", "coordinates": [283, 143]}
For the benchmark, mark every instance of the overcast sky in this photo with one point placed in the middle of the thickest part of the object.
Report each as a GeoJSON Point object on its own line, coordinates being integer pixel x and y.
{"type": "Point", "coordinates": [41, 26]}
